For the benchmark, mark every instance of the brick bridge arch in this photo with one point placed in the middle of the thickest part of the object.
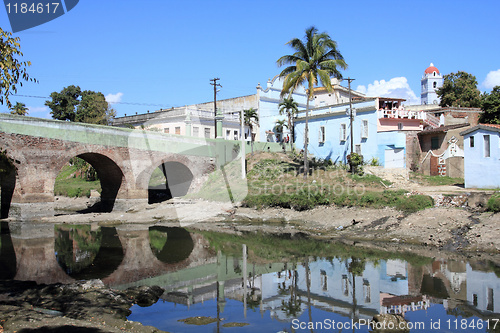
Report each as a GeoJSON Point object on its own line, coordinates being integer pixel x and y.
{"type": "Point", "coordinates": [123, 158]}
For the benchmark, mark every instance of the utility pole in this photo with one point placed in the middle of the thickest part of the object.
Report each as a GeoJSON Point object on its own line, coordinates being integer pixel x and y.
{"type": "Point", "coordinates": [349, 80]}
{"type": "Point", "coordinates": [215, 84]}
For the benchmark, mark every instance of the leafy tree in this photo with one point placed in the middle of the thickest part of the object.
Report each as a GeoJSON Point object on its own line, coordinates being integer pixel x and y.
{"type": "Point", "coordinates": [459, 89]}
{"type": "Point", "coordinates": [86, 107]}
{"type": "Point", "coordinates": [12, 70]}
{"type": "Point", "coordinates": [491, 107]}
{"type": "Point", "coordinates": [315, 57]}
{"type": "Point", "coordinates": [63, 104]}
{"type": "Point", "coordinates": [93, 109]}
{"type": "Point", "coordinates": [251, 118]}
{"type": "Point", "coordinates": [20, 109]}
{"type": "Point", "coordinates": [289, 107]}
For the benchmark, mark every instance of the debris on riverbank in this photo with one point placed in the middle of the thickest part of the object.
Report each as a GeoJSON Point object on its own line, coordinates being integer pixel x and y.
{"type": "Point", "coordinates": [82, 306]}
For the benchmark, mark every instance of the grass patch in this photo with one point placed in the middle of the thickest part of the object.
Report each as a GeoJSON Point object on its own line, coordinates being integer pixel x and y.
{"type": "Point", "coordinates": [68, 185]}
{"type": "Point", "coordinates": [307, 200]}
{"type": "Point", "coordinates": [436, 180]}
{"type": "Point", "coordinates": [494, 203]}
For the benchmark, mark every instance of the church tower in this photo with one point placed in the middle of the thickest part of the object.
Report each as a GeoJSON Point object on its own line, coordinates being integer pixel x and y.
{"type": "Point", "coordinates": [431, 80]}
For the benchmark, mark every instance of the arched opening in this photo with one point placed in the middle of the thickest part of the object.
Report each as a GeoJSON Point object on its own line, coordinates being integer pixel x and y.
{"type": "Point", "coordinates": [170, 245]}
{"type": "Point", "coordinates": [7, 184]}
{"type": "Point", "coordinates": [169, 180]}
{"type": "Point", "coordinates": [107, 180]}
{"type": "Point", "coordinates": [85, 253]}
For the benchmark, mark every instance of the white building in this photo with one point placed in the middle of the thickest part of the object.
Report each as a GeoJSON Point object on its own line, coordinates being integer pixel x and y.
{"type": "Point", "coordinates": [431, 81]}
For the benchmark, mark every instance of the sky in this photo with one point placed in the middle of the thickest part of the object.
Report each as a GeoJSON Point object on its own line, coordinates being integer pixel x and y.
{"type": "Point", "coordinates": [152, 54]}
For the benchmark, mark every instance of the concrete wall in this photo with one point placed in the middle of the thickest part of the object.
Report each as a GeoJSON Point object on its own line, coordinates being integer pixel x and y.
{"type": "Point", "coordinates": [332, 118]}
{"type": "Point", "coordinates": [481, 171]}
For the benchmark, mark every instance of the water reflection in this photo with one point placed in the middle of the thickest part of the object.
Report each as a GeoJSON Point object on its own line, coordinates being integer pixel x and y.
{"type": "Point", "coordinates": [272, 286]}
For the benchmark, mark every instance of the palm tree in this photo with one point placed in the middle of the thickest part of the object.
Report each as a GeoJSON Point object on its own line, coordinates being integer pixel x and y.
{"type": "Point", "coordinates": [289, 107]}
{"type": "Point", "coordinates": [316, 56]}
{"type": "Point", "coordinates": [251, 117]}
{"type": "Point", "coordinates": [280, 125]}
{"type": "Point", "coordinates": [20, 109]}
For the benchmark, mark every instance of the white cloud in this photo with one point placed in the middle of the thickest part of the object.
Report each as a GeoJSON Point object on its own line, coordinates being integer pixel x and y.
{"type": "Point", "coordinates": [39, 111]}
{"type": "Point", "coordinates": [492, 79]}
{"type": "Point", "coordinates": [114, 98]}
{"type": "Point", "coordinates": [397, 87]}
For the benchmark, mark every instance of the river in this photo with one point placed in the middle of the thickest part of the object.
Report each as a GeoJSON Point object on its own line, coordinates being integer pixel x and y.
{"type": "Point", "coordinates": [257, 282]}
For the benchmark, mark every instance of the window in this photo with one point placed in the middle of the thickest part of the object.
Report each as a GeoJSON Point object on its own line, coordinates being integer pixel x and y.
{"type": "Point", "coordinates": [178, 130]}
{"type": "Point", "coordinates": [364, 129]}
{"type": "Point", "coordinates": [434, 142]}
{"type": "Point", "coordinates": [228, 134]}
{"type": "Point", "coordinates": [434, 85]}
{"type": "Point", "coordinates": [235, 135]}
{"type": "Point", "coordinates": [471, 142]}
{"type": "Point", "coordinates": [321, 134]}
{"type": "Point", "coordinates": [486, 145]}
{"type": "Point", "coordinates": [400, 126]}
{"type": "Point", "coordinates": [357, 149]}
{"type": "Point", "coordinates": [166, 130]}
{"type": "Point", "coordinates": [196, 132]}
{"type": "Point", "coordinates": [343, 132]}
{"type": "Point", "coordinates": [207, 132]}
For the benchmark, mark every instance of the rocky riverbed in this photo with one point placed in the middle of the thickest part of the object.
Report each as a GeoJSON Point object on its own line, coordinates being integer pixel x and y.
{"type": "Point", "coordinates": [455, 230]}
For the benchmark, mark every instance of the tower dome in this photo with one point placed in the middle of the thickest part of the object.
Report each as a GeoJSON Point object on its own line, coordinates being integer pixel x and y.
{"type": "Point", "coordinates": [431, 69]}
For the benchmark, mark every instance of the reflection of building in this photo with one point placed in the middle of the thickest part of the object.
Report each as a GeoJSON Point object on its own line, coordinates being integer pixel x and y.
{"type": "Point", "coordinates": [483, 289]}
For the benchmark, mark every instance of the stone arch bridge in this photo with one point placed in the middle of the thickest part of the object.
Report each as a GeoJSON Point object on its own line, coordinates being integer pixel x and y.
{"type": "Point", "coordinates": [123, 158]}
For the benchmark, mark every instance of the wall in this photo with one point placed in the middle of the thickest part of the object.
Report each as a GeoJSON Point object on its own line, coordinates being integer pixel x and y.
{"type": "Point", "coordinates": [332, 118]}
{"type": "Point", "coordinates": [269, 99]}
{"type": "Point", "coordinates": [480, 171]}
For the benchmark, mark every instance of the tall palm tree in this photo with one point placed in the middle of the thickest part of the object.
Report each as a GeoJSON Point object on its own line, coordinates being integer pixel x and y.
{"type": "Point", "coordinates": [289, 107]}
{"type": "Point", "coordinates": [316, 56]}
{"type": "Point", "coordinates": [20, 109]}
{"type": "Point", "coordinates": [251, 118]}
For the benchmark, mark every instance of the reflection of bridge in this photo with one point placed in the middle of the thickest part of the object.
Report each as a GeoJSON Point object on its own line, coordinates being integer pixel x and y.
{"type": "Point", "coordinates": [35, 260]}
{"type": "Point", "coordinates": [123, 158]}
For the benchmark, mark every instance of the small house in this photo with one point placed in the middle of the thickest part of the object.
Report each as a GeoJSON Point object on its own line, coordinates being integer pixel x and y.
{"type": "Point", "coordinates": [482, 156]}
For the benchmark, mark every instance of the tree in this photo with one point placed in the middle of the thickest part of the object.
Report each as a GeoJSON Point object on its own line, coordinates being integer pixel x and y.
{"type": "Point", "coordinates": [63, 104]}
{"type": "Point", "coordinates": [491, 107]}
{"type": "Point", "coordinates": [289, 107]}
{"type": "Point", "coordinates": [93, 109]}
{"type": "Point", "coordinates": [20, 109]}
{"type": "Point", "coordinates": [251, 117]}
{"type": "Point", "coordinates": [459, 89]}
{"type": "Point", "coordinates": [279, 125]}
{"type": "Point", "coordinates": [86, 107]}
{"type": "Point", "coordinates": [315, 57]}
{"type": "Point", "coordinates": [12, 70]}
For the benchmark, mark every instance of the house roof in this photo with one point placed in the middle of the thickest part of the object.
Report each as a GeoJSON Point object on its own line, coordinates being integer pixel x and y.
{"type": "Point", "coordinates": [486, 127]}
{"type": "Point", "coordinates": [443, 129]}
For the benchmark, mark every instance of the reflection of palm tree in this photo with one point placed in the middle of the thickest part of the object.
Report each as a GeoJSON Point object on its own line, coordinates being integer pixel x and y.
{"type": "Point", "coordinates": [253, 301]}
{"type": "Point", "coordinates": [293, 305]}
{"type": "Point", "coordinates": [356, 267]}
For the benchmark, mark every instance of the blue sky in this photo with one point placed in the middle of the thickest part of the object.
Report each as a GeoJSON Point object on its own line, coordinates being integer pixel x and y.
{"type": "Point", "coordinates": [155, 54]}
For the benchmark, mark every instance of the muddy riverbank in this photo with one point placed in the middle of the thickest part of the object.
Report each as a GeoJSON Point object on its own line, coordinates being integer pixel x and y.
{"type": "Point", "coordinates": [454, 233]}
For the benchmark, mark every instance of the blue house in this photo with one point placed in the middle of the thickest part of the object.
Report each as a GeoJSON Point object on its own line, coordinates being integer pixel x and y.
{"type": "Point", "coordinates": [330, 134]}
{"type": "Point", "coordinates": [482, 156]}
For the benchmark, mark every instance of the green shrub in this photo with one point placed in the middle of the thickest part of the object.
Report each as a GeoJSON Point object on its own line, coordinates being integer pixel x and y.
{"type": "Point", "coordinates": [414, 203]}
{"type": "Point", "coordinates": [494, 203]}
